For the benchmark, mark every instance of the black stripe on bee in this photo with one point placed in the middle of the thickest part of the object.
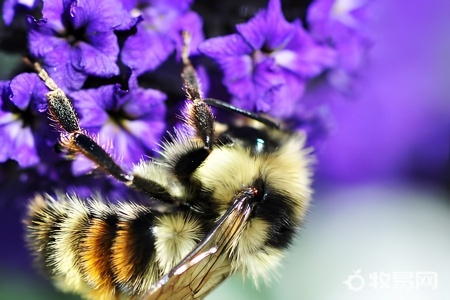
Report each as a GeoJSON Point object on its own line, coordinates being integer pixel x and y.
{"type": "Point", "coordinates": [106, 251]}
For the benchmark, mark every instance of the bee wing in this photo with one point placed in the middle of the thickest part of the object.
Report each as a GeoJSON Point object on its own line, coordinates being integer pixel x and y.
{"type": "Point", "coordinates": [208, 264]}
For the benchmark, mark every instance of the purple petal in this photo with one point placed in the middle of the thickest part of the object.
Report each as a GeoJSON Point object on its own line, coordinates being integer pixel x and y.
{"type": "Point", "coordinates": [158, 35]}
{"type": "Point", "coordinates": [82, 165]}
{"type": "Point", "coordinates": [99, 62]}
{"type": "Point", "coordinates": [204, 79]}
{"type": "Point", "coordinates": [352, 53]}
{"type": "Point", "coordinates": [27, 90]}
{"type": "Point", "coordinates": [9, 11]}
{"type": "Point", "coordinates": [5, 118]}
{"type": "Point", "coordinates": [120, 98]}
{"type": "Point", "coordinates": [230, 45]}
{"type": "Point", "coordinates": [3, 85]}
{"type": "Point", "coordinates": [319, 11]}
{"type": "Point", "coordinates": [267, 88]}
{"type": "Point", "coordinates": [328, 19]}
{"type": "Point", "coordinates": [58, 56]}
{"type": "Point", "coordinates": [268, 28]}
{"type": "Point", "coordinates": [8, 122]}
{"type": "Point", "coordinates": [22, 144]}
{"type": "Point", "coordinates": [25, 151]}
{"type": "Point", "coordinates": [130, 5]}
{"type": "Point", "coordinates": [267, 79]}
{"type": "Point", "coordinates": [287, 96]}
{"type": "Point", "coordinates": [243, 93]}
{"type": "Point", "coordinates": [60, 66]}
{"type": "Point", "coordinates": [316, 121]}
{"type": "Point", "coordinates": [53, 11]}
{"type": "Point", "coordinates": [180, 5]}
{"type": "Point", "coordinates": [340, 79]}
{"type": "Point", "coordinates": [104, 42]}
{"type": "Point", "coordinates": [6, 143]}
{"type": "Point", "coordinates": [255, 30]}
{"type": "Point", "coordinates": [239, 81]}
{"type": "Point", "coordinates": [301, 39]}
{"type": "Point", "coordinates": [142, 102]}
{"type": "Point", "coordinates": [39, 99]}
{"type": "Point", "coordinates": [148, 132]}
{"type": "Point", "coordinates": [146, 50]}
{"type": "Point", "coordinates": [122, 144]}
{"type": "Point", "coordinates": [279, 30]}
{"type": "Point", "coordinates": [309, 64]}
{"type": "Point", "coordinates": [100, 15]}
{"type": "Point", "coordinates": [303, 56]}
{"type": "Point", "coordinates": [91, 105]}
{"type": "Point", "coordinates": [236, 67]}
{"type": "Point", "coordinates": [22, 89]}
{"type": "Point", "coordinates": [41, 39]}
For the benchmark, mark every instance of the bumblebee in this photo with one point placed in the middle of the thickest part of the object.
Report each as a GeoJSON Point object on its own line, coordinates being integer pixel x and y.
{"type": "Point", "coordinates": [227, 198]}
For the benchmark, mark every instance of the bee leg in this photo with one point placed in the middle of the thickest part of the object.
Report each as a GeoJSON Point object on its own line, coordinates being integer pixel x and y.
{"type": "Point", "coordinates": [199, 115]}
{"type": "Point", "coordinates": [73, 138]}
{"type": "Point", "coordinates": [76, 140]}
{"type": "Point", "coordinates": [190, 151]}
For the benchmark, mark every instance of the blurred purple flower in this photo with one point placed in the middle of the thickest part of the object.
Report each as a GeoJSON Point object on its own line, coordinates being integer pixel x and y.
{"type": "Point", "coordinates": [131, 122]}
{"type": "Point", "coordinates": [10, 7]}
{"type": "Point", "coordinates": [22, 121]}
{"type": "Point", "coordinates": [400, 122]}
{"type": "Point", "coordinates": [317, 122]}
{"type": "Point", "coordinates": [159, 33]}
{"type": "Point", "coordinates": [267, 63]}
{"type": "Point", "coordinates": [76, 39]}
{"type": "Point", "coordinates": [340, 24]}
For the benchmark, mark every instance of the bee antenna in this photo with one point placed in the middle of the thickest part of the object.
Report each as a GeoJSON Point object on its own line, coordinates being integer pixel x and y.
{"type": "Point", "coordinates": [246, 113]}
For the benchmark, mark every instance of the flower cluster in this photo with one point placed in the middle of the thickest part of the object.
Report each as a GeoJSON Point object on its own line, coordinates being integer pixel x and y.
{"type": "Point", "coordinates": [268, 63]}
{"type": "Point", "coordinates": [117, 60]}
{"type": "Point", "coordinates": [341, 24]}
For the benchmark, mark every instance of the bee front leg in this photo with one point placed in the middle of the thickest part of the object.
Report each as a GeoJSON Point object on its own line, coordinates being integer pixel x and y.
{"type": "Point", "coordinates": [76, 140]}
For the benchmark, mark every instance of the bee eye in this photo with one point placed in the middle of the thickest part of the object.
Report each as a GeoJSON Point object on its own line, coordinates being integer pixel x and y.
{"type": "Point", "coordinates": [260, 144]}
{"type": "Point", "coordinates": [255, 139]}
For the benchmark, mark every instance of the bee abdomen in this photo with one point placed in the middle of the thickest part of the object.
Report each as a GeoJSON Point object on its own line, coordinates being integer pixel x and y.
{"type": "Point", "coordinates": [133, 257]}
{"type": "Point", "coordinates": [106, 251]}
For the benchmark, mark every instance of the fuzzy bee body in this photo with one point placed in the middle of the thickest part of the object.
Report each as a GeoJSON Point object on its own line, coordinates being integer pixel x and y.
{"type": "Point", "coordinates": [237, 196]}
{"type": "Point", "coordinates": [104, 250]}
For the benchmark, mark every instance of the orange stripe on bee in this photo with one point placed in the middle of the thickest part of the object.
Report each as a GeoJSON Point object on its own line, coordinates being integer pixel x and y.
{"type": "Point", "coordinates": [95, 257]}
{"type": "Point", "coordinates": [133, 252]}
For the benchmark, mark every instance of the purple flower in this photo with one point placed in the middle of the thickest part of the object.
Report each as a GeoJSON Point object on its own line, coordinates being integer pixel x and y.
{"type": "Point", "coordinates": [267, 63]}
{"type": "Point", "coordinates": [10, 7]}
{"type": "Point", "coordinates": [76, 39]}
{"type": "Point", "coordinates": [159, 33]}
{"type": "Point", "coordinates": [340, 24]}
{"type": "Point", "coordinates": [128, 124]}
{"type": "Point", "coordinates": [22, 121]}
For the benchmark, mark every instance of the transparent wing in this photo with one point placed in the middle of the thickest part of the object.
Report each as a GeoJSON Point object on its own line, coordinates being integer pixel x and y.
{"type": "Point", "coordinates": [208, 264]}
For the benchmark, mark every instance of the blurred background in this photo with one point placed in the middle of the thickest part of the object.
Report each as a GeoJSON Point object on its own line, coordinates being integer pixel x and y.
{"type": "Point", "coordinates": [382, 205]}
{"type": "Point", "coordinates": [380, 220]}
